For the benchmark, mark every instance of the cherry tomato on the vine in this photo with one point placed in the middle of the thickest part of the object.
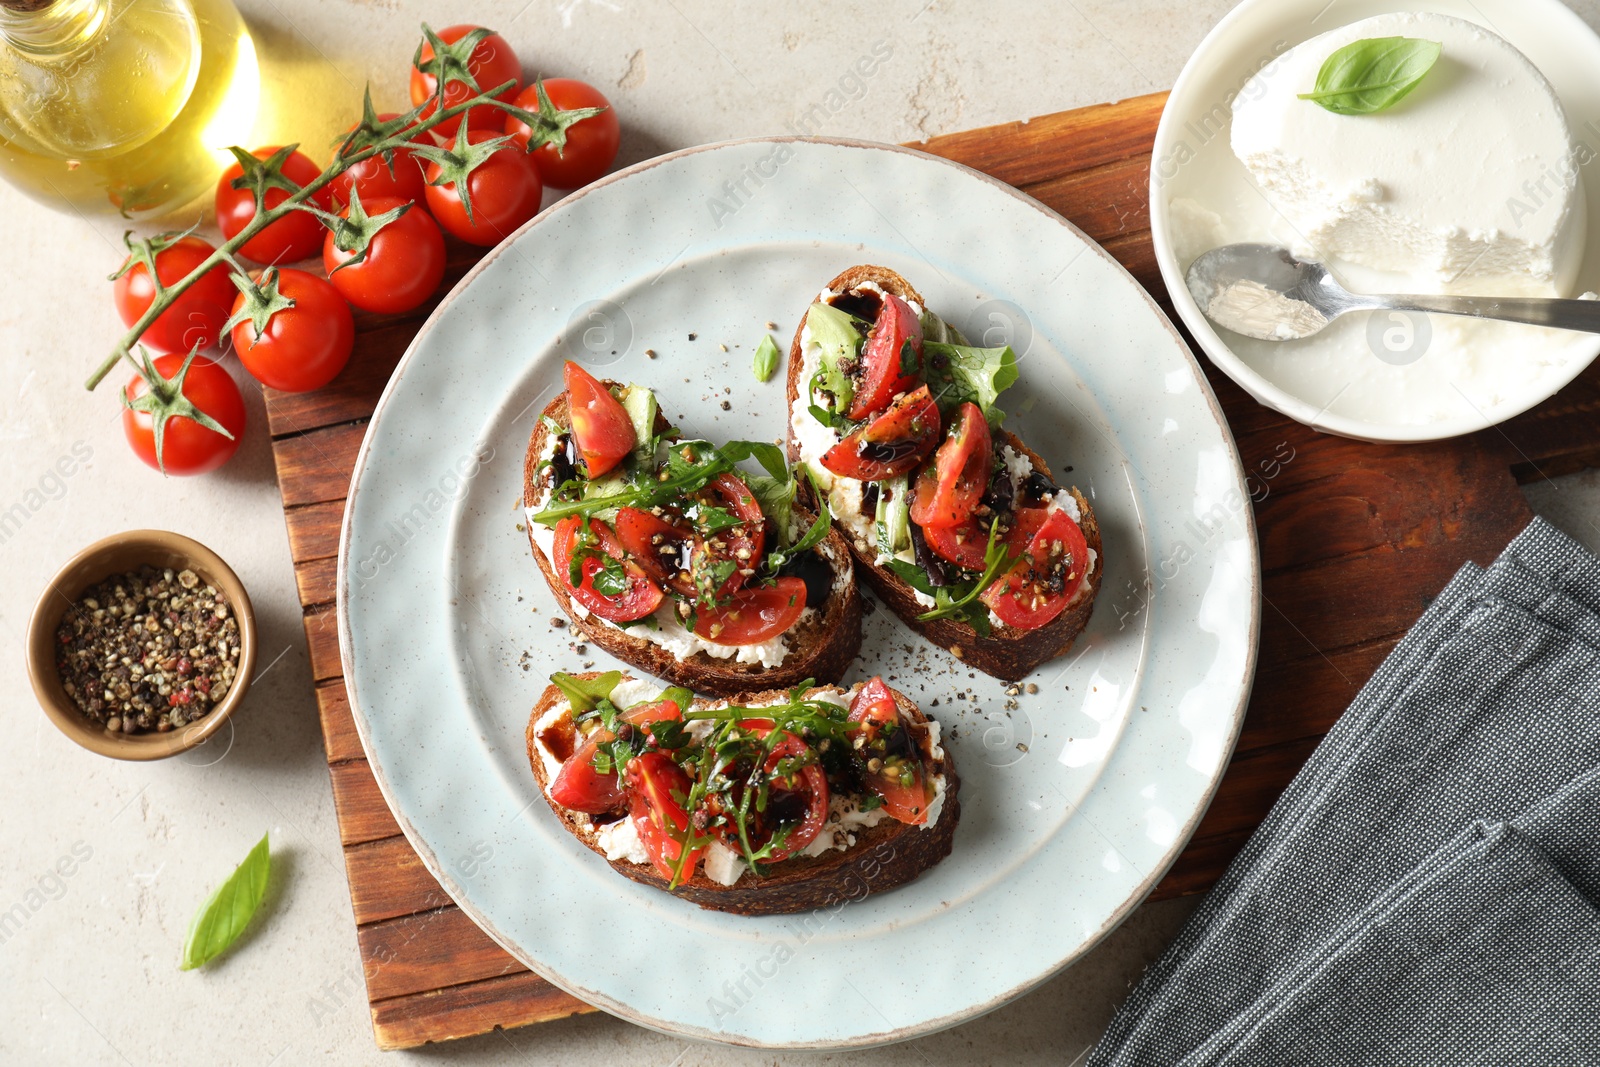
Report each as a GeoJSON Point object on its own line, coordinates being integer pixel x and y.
{"type": "Point", "coordinates": [404, 264]}
{"type": "Point", "coordinates": [491, 62]}
{"type": "Point", "coordinates": [375, 178]}
{"type": "Point", "coordinates": [293, 237]}
{"type": "Point", "coordinates": [187, 446]}
{"type": "Point", "coordinates": [592, 143]}
{"type": "Point", "coordinates": [196, 316]}
{"type": "Point", "coordinates": [303, 347]}
{"type": "Point", "coordinates": [505, 190]}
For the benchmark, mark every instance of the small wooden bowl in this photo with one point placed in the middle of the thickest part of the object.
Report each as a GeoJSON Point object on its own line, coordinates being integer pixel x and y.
{"type": "Point", "coordinates": [116, 555]}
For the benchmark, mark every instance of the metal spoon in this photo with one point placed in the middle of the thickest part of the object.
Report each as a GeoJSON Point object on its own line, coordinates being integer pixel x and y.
{"type": "Point", "coordinates": [1262, 291]}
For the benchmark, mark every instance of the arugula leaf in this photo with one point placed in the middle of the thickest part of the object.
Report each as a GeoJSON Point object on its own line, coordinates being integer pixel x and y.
{"type": "Point", "coordinates": [765, 363]}
{"type": "Point", "coordinates": [838, 336]}
{"type": "Point", "coordinates": [1368, 76]}
{"type": "Point", "coordinates": [959, 373]}
{"type": "Point", "coordinates": [961, 601]}
{"type": "Point", "coordinates": [225, 914]}
{"type": "Point", "coordinates": [586, 693]}
{"type": "Point", "coordinates": [690, 465]}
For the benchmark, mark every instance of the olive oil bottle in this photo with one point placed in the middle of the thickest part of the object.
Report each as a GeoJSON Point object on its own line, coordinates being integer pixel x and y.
{"type": "Point", "coordinates": [122, 106]}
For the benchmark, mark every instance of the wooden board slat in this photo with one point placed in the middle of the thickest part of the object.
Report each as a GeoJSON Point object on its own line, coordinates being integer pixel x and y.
{"type": "Point", "coordinates": [363, 815]}
{"type": "Point", "coordinates": [430, 951]}
{"type": "Point", "coordinates": [1355, 540]}
{"type": "Point", "coordinates": [314, 529]}
{"type": "Point", "coordinates": [339, 738]}
{"type": "Point", "coordinates": [460, 1011]}
{"type": "Point", "coordinates": [322, 641]}
{"type": "Point", "coordinates": [388, 880]}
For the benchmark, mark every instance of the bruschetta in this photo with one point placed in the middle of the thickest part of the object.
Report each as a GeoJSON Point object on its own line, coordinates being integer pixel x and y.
{"type": "Point", "coordinates": [673, 557]}
{"type": "Point", "coordinates": [762, 804]}
{"type": "Point", "coordinates": [956, 524]}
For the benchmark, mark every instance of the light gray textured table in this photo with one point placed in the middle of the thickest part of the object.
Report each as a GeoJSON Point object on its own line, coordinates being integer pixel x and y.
{"type": "Point", "coordinates": [89, 972]}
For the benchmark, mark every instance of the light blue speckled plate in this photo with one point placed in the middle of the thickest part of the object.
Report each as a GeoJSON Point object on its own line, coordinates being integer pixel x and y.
{"type": "Point", "coordinates": [1074, 799]}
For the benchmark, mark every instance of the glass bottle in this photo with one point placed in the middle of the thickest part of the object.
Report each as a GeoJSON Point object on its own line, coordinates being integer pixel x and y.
{"type": "Point", "coordinates": [122, 106]}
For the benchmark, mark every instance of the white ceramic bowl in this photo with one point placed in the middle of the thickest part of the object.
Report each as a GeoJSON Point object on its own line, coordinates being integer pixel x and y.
{"type": "Point", "coordinates": [1194, 166]}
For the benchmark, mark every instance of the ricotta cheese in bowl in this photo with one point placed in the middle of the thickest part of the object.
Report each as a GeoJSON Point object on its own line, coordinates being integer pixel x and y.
{"type": "Point", "coordinates": [1468, 185]}
{"type": "Point", "coordinates": [1471, 184]}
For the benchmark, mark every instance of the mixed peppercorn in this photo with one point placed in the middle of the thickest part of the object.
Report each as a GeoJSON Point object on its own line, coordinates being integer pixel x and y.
{"type": "Point", "coordinates": [148, 650]}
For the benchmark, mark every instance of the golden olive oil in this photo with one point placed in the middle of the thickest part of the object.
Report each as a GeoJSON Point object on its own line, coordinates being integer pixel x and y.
{"type": "Point", "coordinates": [122, 106]}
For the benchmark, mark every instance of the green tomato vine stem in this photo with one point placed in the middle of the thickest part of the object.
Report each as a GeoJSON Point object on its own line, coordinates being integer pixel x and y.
{"type": "Point", "coordinates": [167, 294]}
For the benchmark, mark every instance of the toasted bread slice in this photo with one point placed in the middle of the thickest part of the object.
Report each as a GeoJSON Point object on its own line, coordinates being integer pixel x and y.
{"type": "Point", "coordinates": [1007, 652]}
{"type": "Point", "coordinates": [876, 858]}
{"type": "Point", "coordinates": [820, 648]}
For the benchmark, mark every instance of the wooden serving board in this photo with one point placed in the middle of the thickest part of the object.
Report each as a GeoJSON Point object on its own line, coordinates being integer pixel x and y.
{"type": "Point", "coordinates": [1355, 540]}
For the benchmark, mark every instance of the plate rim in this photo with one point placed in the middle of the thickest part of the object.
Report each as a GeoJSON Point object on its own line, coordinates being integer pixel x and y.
{"type": "Point", "coordinates": [1142, 890]}
{"type": "Point", "coordinates": [1211, 342]}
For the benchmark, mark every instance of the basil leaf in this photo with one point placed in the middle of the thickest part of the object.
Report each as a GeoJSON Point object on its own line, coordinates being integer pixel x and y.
{"type": "Point", "coordinates": [838, 336]}
{"type": "Point", "coordinates": [776, 497]}
{"type": "Point", "coordinates": [769, 455]}
{"type": "Point", "coordinates": [223, 917]}
{"type": "Point", "coordinates": [958, 374]}
{"type": "Point", "coordinates": [611, 579]}
{"type": "Point", "coordinates": [766, 359]}
{"type": "Point", "coordinates": [711, 520]}
{"type": "Point", "coordinates": [1368, 76]}
{"type": "Point", "coordinates": [678, 695]}
{"type": "Point", "coordinates": [912, 575]}
{"type": "Point", "coordinates": [586, 693]}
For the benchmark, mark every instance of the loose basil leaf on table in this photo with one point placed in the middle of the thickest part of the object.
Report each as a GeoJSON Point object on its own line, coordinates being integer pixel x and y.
{"type": "Point", "coordinates": [223, 917]}
{"type": "Point", "coordinates": [1368, 76]}
{"type": "Point", "coordinates": [766, 359]}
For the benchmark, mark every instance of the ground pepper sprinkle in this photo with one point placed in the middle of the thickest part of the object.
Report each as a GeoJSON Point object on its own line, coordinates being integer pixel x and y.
{"type": "Point", "coordinates": [148, 650]}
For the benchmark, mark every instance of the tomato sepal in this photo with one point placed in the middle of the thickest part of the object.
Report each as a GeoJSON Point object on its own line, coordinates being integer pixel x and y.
{"type": "Point", "coordinates": [163, 400]}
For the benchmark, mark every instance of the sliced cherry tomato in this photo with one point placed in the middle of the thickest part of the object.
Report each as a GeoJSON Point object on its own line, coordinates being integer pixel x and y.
{"type": "Point", "coordinates": [891, 444]}
{"type": "Point", "coordinates": [303, 347]}
{"type": "Point", "coordinates": [196, 315]}
{"type": "Point", "coordinates": [1040, 584]}
{"type": "Point", "coordinates": [754, 616]}
{"type": "Point", "coordinates": [950, 486]}
{"type": "Point", "coordinates": [591, 143]}
{"type": "Point", "coordinates": [293, 237]}
{"type": "Point", "coordinates": [662, 549]}
{"type": "Point", "coordinates": [963, 545]}
{"type": "Point", "coordinates": [580, 787]}
{"type": "Point", "coordinates": [505, 190]}
{"type": "Point", "coordinates": [376, 179]}
{"type": "Point", "coordinates": [187, 447]}
{"type": "Point", "coordinates": [600, 424]}
{"type": "Point", "coordinates": [887, 369]}
{"type": "Point", "coordinates": [639, 595]}
{"type": "Point", "coordinates": [805, 789]}
{"type": "Point", "coordinates": [657, 790]}
{"type": "Point", "coordinates": [490, 63]}
{"type": "Point", "coordinates": [900, 779]}
{"type": "Point", "coordinates": [403, 266]}
{"type": "Point", "coordinates": [797, 800]}
{"type": "Point", "coordinates": [741, 545]}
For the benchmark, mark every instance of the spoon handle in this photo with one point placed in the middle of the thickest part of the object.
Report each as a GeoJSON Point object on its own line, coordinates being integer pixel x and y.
{"type": "Point", "coordinates": [1536, 311]}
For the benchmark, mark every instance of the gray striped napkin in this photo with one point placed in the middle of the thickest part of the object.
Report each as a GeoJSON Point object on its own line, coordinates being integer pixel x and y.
{"type": "Point", "coordinates": [1421, 892]}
